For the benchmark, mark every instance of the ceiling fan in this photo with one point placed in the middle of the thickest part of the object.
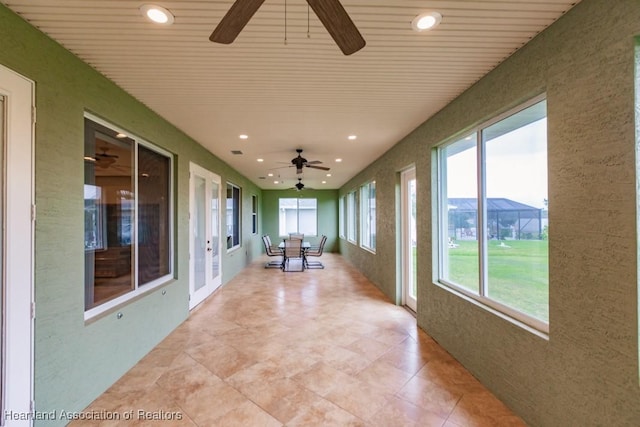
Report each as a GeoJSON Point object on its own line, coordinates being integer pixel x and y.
{"type": "Point", "coordinates": [300, 162]}
{"type": "Point", "coordinates": [330, 12]}
{"type": "Point", "coordinates": [300, 186]}
{"type": "Point", "coordinates": [103, 159]}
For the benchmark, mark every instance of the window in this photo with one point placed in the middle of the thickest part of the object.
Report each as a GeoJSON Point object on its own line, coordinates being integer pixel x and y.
{"type": "Point", "coordinates": [368, 215]}
{"type": "Point", "coordinates": [493, 214]}
{"type": "Point", "coordinates": [341, 218]}
{"type": "Point", "coordinates": [298, 216]}
{"type": "Point", "coordinates": [127, 215]}
{"type": "Point", "coordinates": [254, 214]}
{"type": "Point", "coordinates": [233, 216]}
{"type": "Point", "coordinates": [351, 216]}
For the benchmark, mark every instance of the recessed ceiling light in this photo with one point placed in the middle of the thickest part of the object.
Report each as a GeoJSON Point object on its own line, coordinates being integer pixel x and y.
{"type": "Point", "coordinates": [324, 182]}
{"type": "Point", "coordinates": [157, 14]}
{"type": "Point", "coordinates": [260, 160]}
{"type": "Point", "coordinates": [243, 136]}
{"type": "Point", "coordinates": [352, 137]}
{"type": "Point", "coordinates": [426, 21]}
{"type": "Point", "coordinates": [328, 174]}
{"type": "Point", "coordinates": [338, 160]}
{"type": "Point", "coordinates": [270, 174]}
{"type": "Point", "coordinates": [276, 182]}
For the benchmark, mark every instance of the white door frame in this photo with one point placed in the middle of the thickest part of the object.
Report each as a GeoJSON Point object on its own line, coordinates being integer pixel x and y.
{"type": "Point", "coordinates": [19, 215]}
{"type": "Point", "coordinates": [407, 254]}
{"type": "Point", "coordinates": [196, 296]}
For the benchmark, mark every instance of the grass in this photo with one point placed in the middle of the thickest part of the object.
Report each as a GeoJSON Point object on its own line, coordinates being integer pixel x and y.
{"type": "Point", "coordinates": [518, 274]}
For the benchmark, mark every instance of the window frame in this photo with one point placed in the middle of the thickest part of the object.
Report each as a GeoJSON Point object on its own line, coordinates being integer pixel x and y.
{"type": "Point", "coordinates": [138, 289]}
{"type": "Point", "coordinates": [441, 235]}
{"type": "Point", "coordinates": [237, 217]}
{"type": "Point", "coordinates": [367, 231]}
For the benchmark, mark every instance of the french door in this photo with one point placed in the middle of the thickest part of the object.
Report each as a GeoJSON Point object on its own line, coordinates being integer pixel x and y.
{"type": "Point", "coordinates": [16, 247]}
{"type": "Point", "coordinates": [204, 230]}
{"type": "Point", "coordinates": [409, 238]}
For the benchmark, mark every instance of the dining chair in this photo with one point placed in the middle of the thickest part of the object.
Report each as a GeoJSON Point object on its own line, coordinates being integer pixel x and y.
{"type": "Point", "coordinates": [292, 251]}
{"type": "Point", "coordinates": [315, 252]}
{"type": "Point", "coordinates": [271, 245]}
{"type": "Point", "coordinates": [272, 252]}
{"type": "Point", "coordinates": [299, 236]}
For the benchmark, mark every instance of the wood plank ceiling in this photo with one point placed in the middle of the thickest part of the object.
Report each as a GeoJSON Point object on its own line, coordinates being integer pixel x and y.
{"type": "Point", "coordinates": [300, 94]}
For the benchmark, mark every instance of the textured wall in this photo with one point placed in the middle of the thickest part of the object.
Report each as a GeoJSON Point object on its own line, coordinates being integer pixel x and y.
{"type": "Point", "coordinates": [74, 361]}
{"type": "Point", "coordinates": [587, 372]}
{"type": "Point", "coordinates": [327, 213]}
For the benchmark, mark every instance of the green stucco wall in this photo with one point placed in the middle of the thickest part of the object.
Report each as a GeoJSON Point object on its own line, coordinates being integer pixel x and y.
{"type": "Point", "coordinates": [586, 372]}
{"type": "Point", "coordinates": [327, 214]}
{"type": "Point", "coordinates": [74, 361]}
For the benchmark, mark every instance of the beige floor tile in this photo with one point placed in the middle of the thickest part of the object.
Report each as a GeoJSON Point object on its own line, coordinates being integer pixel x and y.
{"type": "Point", "coordinates": [322, 378]}
{"type": "Point", "coordinates": [284, 398]}
{"type": "Point", "coordinates": [246, 414]}
{"type": "Point", "coordinates": [266, 371]}
{"type": "Point", "coordinates": [369, 348]}
{"type": "Point", "coordinates": [221, 359]}
{"type": "Point", "coordinates": [480, 409]}
{"type": "Point", "coordinates": [431, 396]}
{"type": "Point", "coordinates": [357, 398]}
{"type": "Point", "coordinates": [399, 412]}
{"type": "Point", "coordinates": [319, 348]}
{"type": "Point", "coordinates": [405, 360]}
{"type": "Point", "coordinates": [384, 376]}
{"type": "Point", "coordinates": [326, 414]}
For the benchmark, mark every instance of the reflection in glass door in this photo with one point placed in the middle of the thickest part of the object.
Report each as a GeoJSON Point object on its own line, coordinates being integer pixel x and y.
{"type": "Point", "coordinates": [204, 229]}
{"type": "Point", "coordinates": [409, 239]}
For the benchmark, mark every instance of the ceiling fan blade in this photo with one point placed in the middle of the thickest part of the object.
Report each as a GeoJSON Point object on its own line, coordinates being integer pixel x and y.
{"type": "Point", "coordinates": [315, 162]}
{"type": "Point", "coordinates": [319, 167]}
{"type": "Point", "coordinates": [339, 25]}
{"type": "Point", "coordinates": [235, 20]}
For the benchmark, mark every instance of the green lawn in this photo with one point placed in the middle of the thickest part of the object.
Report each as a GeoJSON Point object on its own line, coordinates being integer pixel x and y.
{"type": "Point", "coordinates": [518, 274]}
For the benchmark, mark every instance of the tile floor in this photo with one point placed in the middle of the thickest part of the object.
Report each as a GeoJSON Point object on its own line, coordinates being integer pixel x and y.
{"type": "Point", "coordinates": [319, 348]}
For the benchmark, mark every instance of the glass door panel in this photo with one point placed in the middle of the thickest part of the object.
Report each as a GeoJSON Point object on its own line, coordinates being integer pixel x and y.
{"type": "Point", "coordinates": [411, 221]}
{"type": "Point", "coordinates": [409, 239]}
{"type": "Point", "coordinates": [204, 213]}
{"type": "Point", "coordinates": [199, 232]}
{"type": "Point", "coordinates": [214, 225]}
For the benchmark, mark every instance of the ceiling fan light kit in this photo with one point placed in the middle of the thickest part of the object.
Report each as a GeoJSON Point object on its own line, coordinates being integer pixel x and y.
{"type": "Point", "coordinates": [330, 12]}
